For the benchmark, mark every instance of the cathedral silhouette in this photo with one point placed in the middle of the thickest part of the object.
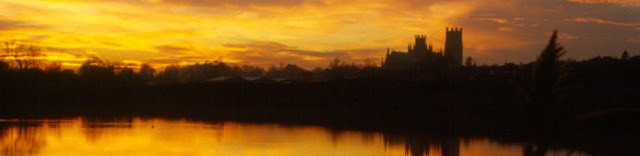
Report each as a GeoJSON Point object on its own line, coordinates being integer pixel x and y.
{"type": "Point", "coordinates": [420, 55]}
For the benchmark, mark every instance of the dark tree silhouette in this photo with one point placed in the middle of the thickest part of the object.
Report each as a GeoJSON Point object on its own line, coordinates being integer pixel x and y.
{"type": "Point", "coordinates": [4, 66]}
{"type": "Point", "coordinates": [53, 67]}
{"type": "Point", "coordinates": [546, 74]}
{"type": "Point", "coordinates": [253, 71]}
{"type": "Point", "coordinates": [369, 64]}
{"type": "Point", "coordinates": [126, 72]}
{"type": "Point", "coordinates": [25, 56]}
{"type": "Point", "coordinates": [146, 72]}
{"type": "Point", "coordinates": [337, 68]}
{"type": "Point", "coordinates": [625, 55]}
{"type": "Point", "coordinates": [468, 62]}
{"type": "Point", "coordinates": [96, 70]}
{"type": "Point", "coordinates": [547, 71]}
{"type": "Point", "coordinates": [171, 72]}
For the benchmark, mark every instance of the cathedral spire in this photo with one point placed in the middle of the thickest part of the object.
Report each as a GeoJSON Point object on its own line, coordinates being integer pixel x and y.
{"type": "Point", "coordinates": [387, 51]}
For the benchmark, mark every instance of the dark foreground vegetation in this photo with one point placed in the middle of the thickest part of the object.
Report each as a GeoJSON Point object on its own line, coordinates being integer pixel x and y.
{"type": "Point", "coordinates": [589, 105]}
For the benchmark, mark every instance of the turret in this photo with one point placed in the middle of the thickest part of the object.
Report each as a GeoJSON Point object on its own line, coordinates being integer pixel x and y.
{"type": "Point", "coordinates": [453, 47]}
{"type": "Point", "coordinates": [420, 45]}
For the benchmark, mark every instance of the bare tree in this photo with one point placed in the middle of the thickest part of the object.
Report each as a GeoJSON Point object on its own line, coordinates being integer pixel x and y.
{"type": "Point", "coordinates": [25, 56]}
{"type": "Point", "coordinates": [146, 72]}
{"type": "Point", "coordinates": [336, 63]}
{"type": "Point", "coordinates": [53, 67]}
{"type": "Point", "coordinates": [468, 62]}
{"type": "Point", "coordinates": [370, 64]}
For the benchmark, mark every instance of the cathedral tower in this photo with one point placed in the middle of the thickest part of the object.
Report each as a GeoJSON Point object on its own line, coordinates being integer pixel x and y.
{"type": "Point", "coordinates": [420, 45]}
{"type": "Point", "coordinates": [453, 47]}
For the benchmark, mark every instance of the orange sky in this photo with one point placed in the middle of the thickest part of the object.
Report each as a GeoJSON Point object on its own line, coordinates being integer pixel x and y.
{"type": "Point", "coordinates": [310, 32]}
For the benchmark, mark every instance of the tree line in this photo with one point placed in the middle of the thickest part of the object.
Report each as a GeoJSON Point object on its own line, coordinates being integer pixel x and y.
{"type": "Point", "coordinates": [28, 58]}
{"type": "Point", "coordinates": [599, 82]}
{"type": "Point", "coordinates": [20, 58]}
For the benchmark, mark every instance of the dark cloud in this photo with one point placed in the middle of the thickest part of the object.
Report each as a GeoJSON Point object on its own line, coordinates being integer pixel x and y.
{"type": "Point", "coordinates": [104, 53]}
{"type": "Point", "coordinates": [265, 53]}
{"type": "Point", "coordinates": [266, 45]}
{"type": "Point", "coordinates": [12, 24]}
{"type": "Point", "coordinates": [266, 48]}
{"type": "Point", "coordinates": [112, 44]}
{"type": "Point", "coordinates": [172, 49]}
{"type": "Point", "coordinates": [269, 47]}
{"type": "Point", "coordinates": [176, 59]}
{"type": "Point", "coordinates": [331, 54]}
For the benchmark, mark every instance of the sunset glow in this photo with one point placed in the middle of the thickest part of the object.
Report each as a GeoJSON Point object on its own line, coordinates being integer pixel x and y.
{"type": "Point", "coordinates": [311, 32]}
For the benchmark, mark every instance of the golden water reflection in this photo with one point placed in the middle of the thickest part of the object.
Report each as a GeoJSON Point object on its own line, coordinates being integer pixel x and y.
{"type": "Point", "coordinates": [183, 137]}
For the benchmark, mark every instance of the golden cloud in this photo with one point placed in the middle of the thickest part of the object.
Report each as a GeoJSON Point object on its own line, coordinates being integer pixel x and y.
{"type": "Point", "coordinates": [601, 21]}
{"type": "Point", "coordinates": [174, 31]}
{"type": "Point", "coordinates": [265, 32]}
{"type": "Point", "coordinates": [623, 2]}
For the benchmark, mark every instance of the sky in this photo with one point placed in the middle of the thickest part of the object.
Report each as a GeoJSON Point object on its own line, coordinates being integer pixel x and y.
{"type": "Point", "coordinates": [309, 33]}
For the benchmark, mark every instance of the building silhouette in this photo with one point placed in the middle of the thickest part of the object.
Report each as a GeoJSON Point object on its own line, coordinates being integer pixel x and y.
{"type": "Point", "coordinates": [421, 57]}
{"type": "Point", "coordinates": [453, 47]}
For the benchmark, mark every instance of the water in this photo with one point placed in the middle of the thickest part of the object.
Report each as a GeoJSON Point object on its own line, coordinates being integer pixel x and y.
{"type": "Point", "coordinates": [159, 136]}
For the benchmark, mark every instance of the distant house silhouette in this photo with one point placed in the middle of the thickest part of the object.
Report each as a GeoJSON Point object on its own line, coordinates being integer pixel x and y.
{"type": "Point", "coordinates": [264, 80]}
{"type": "Point", "coordinates": [421, 54]}
{"type": "Point", "coordinates": [226, 79]}
{"type": "Point", "coordinates": [248, 79]}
